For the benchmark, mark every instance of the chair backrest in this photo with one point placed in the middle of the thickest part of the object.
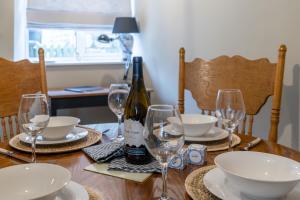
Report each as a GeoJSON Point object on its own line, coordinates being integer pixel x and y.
{"type": "Point", "coordinates": [17, 78]}
{"type": "Point", "coordinates": [257, 79]}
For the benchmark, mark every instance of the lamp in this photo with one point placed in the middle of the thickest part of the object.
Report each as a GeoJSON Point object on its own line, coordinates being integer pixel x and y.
{"type": "Point", "coordinates": [123, 26]}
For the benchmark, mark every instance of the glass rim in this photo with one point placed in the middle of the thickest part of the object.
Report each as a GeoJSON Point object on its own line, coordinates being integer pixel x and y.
{"type": "Point", "coordinates": [121, 86]}
{"type": "Point", "coordinates": [162, 107]}
{"type": "Point", "coordinates": [33, 95]}
{"type": "Point", "coordinates": [118, 84]}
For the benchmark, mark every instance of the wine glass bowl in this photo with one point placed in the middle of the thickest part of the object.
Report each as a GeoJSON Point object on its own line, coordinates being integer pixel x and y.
{"type": "Point", "coordinates": [33, 116]}
{"type": "Point", "coordinates": [164, 136]}
{"type": "Point", "coordinates": [117, 97]}
{"type": "Point", "coordinates": [230, 108]}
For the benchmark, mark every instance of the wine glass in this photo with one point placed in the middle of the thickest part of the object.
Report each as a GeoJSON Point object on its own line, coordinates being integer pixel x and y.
{"type": "Point", "coordinates": [164, 137]}
{"type": "Point", "coordinates": [33, 117]}
{"type": "Point", "coordinates": [230, 108]}
{"type": "Point", "coordinates": [117, 98]}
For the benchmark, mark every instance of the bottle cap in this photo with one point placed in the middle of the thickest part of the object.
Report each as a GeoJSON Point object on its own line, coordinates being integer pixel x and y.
{"type": "Point", "coordinates": [137, 59]}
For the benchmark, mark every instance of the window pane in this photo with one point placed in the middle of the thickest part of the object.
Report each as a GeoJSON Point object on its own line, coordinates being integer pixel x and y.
{"type": "Point", "coordinates": [61, 45]}
{"type": "Point", "coordinates": [89, 48]}
{"type": "Point", "coordinates": [56, 43]}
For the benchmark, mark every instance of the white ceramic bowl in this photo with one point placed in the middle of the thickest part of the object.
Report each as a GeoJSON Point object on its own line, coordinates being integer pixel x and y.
{"type": "Point", "coordinates": [59, 127]}
{"type": "Point", "coordinates": [31, 181]}
{"type": "Point", "coordinates": [196, 124]}
{"type": "Point", "coordinates": [259, 175]}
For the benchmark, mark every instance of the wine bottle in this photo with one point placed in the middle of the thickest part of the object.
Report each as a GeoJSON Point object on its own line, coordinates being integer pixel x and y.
{"type": "Point", "coordinates": [134, 117]}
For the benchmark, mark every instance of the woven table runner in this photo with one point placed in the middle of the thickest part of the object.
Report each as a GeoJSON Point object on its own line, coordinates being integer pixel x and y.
{"type": "Point", "coordinates": [194, 185]}
{"type": "Point", "coordinates": [223, 144]}
{"type": "Point", "coordinates": [94, 195]}
{"type": "Point", "coordinates": [92, 138]}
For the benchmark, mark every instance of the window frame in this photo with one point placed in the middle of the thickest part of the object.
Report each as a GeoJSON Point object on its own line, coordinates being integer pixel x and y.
{"type": "Point", "coordinates": [75, 61]}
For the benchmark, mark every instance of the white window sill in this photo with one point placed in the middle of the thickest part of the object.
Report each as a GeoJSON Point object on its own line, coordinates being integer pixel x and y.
{"type": "Point", "coordinates": [84, 63]}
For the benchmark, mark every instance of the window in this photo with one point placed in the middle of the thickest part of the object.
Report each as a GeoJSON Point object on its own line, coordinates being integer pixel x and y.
{"type": "Point", "coordinates": [68, 30]}
{"type": "Point", "coordinates": [72, 45]}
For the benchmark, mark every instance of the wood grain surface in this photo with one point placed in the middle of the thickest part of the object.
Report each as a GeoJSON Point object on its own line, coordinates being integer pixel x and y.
{"type": "Point", "coordinates": [114, 188]}
{"type": "Point", "coordinates": [16, 79]}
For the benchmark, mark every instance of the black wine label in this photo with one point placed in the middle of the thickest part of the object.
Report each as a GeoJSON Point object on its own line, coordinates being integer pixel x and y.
{"type": "Point", "coordinates": [136, 151]}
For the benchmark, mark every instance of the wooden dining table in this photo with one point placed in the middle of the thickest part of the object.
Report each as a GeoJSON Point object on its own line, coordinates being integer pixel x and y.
{"type": "Point", "coordinates": [113, 188]}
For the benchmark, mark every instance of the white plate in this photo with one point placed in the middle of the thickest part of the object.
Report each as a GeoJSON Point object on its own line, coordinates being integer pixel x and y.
{"type": "Point", "coordinates": [215, 181]}
{"type": "Point", "coordinates": [214, 134]}
{"type": "Point", "coordinates": [31, 181]}
{"type": "Point", "coordinates": [73, 191]}
{"type": "Point", "coordinates": [76, 134]}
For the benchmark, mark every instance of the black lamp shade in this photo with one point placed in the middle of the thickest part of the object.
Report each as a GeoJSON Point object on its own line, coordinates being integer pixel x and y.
{"type": "Point", "coordinates": [125, 25]}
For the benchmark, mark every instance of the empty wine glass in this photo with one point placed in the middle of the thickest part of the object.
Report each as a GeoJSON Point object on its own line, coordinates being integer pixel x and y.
{"type": "Point", "coordinates": [231, 109]}
{"type": "Point", "coordinates": [117, 98]}
{"type": "Point", "coordinates": [33, 117]}
{"type": "Point", "coordinates": [164, 137]}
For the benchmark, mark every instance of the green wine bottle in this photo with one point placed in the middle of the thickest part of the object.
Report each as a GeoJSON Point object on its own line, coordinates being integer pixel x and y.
{"type": "Point", "coordinates": [134, 117]}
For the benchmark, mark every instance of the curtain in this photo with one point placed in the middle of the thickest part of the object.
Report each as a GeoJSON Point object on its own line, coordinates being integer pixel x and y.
{"type": "Point", "coordinates": [72, 13]}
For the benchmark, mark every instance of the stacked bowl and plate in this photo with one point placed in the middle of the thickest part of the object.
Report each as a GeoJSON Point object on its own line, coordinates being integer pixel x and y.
{"type": "Point", "coordinates": [43, 181]}
{"type": "Point", "coordinates": [244, 175]}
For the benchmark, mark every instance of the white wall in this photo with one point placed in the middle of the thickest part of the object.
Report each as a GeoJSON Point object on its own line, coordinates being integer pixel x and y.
{"type": "Point", "coordinates": [68, 76]}
{"type": "Point", "coordinates": [19, 29]}
{"type": "Point", "coordinates": [209, 28]}
{"type": "Point", "coordinates": [6, 28]}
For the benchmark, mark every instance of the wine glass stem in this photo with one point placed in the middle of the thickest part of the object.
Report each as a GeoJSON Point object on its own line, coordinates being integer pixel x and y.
{"type": "Point", "coordinates": [230, 131]}
{"type": "Point", "coordinates": [119, 125]}
{"type": "Point", "coordinates": [33, 144]}
{"type": "Point", "coordinates": [164, 171]}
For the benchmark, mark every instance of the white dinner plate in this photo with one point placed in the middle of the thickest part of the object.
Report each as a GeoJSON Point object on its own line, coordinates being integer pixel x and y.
{"type": "Point", "coordinates": [213, 134]}
{"type": "Point", "coordinates": [216, 182]}
{"type": "Point", "coordinates": [72, 191]}
{"type": "Point", "coordinates": [32, 181]}
{"type": "Point", "coordinates": [75, 135]}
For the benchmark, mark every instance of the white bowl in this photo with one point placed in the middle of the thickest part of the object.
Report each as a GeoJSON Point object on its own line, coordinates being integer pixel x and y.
{"type": "Point", "coordinates": [196, 124]}
{"type": "Point", "coordinates": [59, 127]}
{"type": "Point", "coordinates": [259, 175]}
{"type": "Point", "coordinates": [31, 181]}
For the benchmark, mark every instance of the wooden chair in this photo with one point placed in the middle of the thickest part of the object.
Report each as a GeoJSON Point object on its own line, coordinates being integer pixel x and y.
{"type": "Point", "coordinates": [257, 79]}
{"type": "Point", "coordinates": [17, 78]}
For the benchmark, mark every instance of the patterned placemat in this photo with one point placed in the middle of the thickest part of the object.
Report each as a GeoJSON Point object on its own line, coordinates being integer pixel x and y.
{"type": "Point", "coordinates": [194, 185]}
{"type": "Point", "coordinates": [121, 164]}
{"type": "Point", "coordinates": [92, 138]}
{"type": "Point", "coordinates": [223, 145]}
{"type": "Point", "coordinates": [94, 195]}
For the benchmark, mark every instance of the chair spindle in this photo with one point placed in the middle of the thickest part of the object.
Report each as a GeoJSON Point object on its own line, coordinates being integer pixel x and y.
{"type": "Point", "coordinates": [4, 130]}
{"type": "Point", "coordinates": [11, 129]}
{"type": "Point", "coordinates": [244, 125]}
{"type": "Point", "coordinates": [251, 119]}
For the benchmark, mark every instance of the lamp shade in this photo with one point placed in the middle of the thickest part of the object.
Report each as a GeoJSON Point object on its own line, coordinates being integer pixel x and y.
{"type": "Point", "coordinates": [125, 25]}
